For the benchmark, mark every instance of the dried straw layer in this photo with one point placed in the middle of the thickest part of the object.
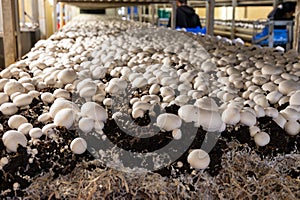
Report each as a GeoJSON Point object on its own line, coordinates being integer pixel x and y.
{"type": "Point", "coordinates": [245, 175]}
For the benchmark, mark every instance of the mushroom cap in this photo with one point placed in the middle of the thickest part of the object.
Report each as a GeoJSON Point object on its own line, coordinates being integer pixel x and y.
{"type": "Point", "coordinates": [168, 121]}
{"type": "Point", "coordinates": [248, 118]}
{"type": "Point", "coordinates": [12, 87]}
{"type": "Point", "coordinates": [78, 145]}
{"type": "Point", "coordinates": [67, 76]}
{"type": "Point", "coordinates": [292, 127]}
{"type": "Point", "coordinates": [35, 133]}
{"type": "Point", "coordinates": [295, 98]}
{"type": "Point", "coordinates": [207, 104]}
{"type": "Point", "coordinates": [61, 103]}
{"type": "Point", "coordinates": [94, 111]}
{"type": "Point", "coordinates": [86, 124]}
{"type": "Point", "coordinates": [11, 139]}
{"type": "Point", "coordinates": [189, 113]}
{"type": "Point", "coordinates": [288, 86]}
{"type": "Point", "coordinates": [47, 97]}
{"type": "Point", "coordinates": [3, 98]}
{"type": "Point", "coordinates": [16, 120]}
{"type": "Point", "coordinates": [262, 138]}
{"type": "Point", "coordinates": [231, 116]}
{"type": "Point", "coordinates": [198, 159]}
{"type": "Point", "coordinates": [22, 100]}
{"type": "Point", "coordinates": [25, 128]}
{"type": "Point", "coordinates": [65, 117]}
{"type": "Point", "coordinates": [8, 108]}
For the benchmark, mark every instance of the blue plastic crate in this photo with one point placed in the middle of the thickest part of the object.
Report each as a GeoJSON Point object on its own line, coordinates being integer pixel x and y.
{"type": "Point", "coordinates": [196, 30]}
{"type": "Point", "coordinates": [280, 36]}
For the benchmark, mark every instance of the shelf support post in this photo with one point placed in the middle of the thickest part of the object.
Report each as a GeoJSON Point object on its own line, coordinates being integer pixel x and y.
{"type": "Point", "coordinates": [173, 15]}
{"type": "Point", "coordinates": [9, 37]}
{"type": "Point", "coordinates": [234, 4]}
{"type": "Point", "coordinates": [210, 6]}
{"type": "Point", "coordinates": [296, 39]}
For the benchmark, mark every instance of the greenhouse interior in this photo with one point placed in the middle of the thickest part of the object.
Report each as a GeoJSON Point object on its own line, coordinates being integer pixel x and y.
{"type": "Point", "coordinates": [149, 99]}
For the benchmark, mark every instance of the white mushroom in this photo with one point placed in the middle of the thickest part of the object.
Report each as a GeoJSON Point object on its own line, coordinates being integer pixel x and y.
{"type": "Point", "coordinates": [177, 134]}
{"type": "Point", "coordinates": [262, 138]}
{"type": "Point", "coordinates": [25, 128]}
{"type": "Point", "coordinates": [198, 159]}
{"type": "Point", "coordinates": [61, 93]}
{"type": "Point", "coordinates": [295, 98]}
{"type": "Point", "coordinates": [12, 87]}
{"type": "Point", "coordinates": [94, 111]}
{"type": "Point", "coordinates": [16, 120]}
{"type": "Point", "coordinates": [78, 145]}
{"type": "Point", "coordinates": [65, 117]}
{"type": "Point", "coordinates": [22, 100]}
{"type": "Point", "coordinates": [168, 122]}
{"type": "Point", "coordinates": [44, 118]}
{"type": "Point", "coordinates": [86, 124]}
{"type": "Point", "coordinates": [292, 127]}
{"type": "Point", "coordinates": [280, 120]}
{"type": "Point", "coordinates": [271, 112]}
{"type": "Point", "coordinates": [8, 108]}
{"type": "Point", "coordinates": [248, 118]}
{"type": "Point", "coordinates": [274, 97]}
{"type": "Point", "coordinates": [287, 86]}
{"type": "Point", "coordinates": [231, 116]}
{"type": "Point", "coordinates": [11, 139]}
{"type": "Point", "coordinates": [35, 133]}
{"type": "Point", "coordinates": [47, 97]}
{"type": "Point", "coordinates": [253, 130]}
{"type": "Point", "coordinates": [67, 76]}
{"type": "Point", "coordinates": [3, 98]}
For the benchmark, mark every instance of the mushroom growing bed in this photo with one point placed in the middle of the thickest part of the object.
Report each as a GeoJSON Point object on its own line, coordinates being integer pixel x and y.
{"type": "Point", "coordinates": [107, 109]}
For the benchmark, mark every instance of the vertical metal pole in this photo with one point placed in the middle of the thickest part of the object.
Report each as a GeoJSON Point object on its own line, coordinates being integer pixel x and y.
{"type": "Point", "coordinates": [131, 13]}
{"type": "Point", "coordinates": [210, 6]}
{"type": "Point", "coordinates": [116, 12]}
{"type": "Point", "coordinates": [271, 34]}
{"type": "Point", "coordinates": [42, 18]}
{"type": "Point", "coordinates": [22, 12]}
{"type": "Point", "coordinates": [296, 37]}
{"type": "Point", "coordinates": [140, 10]}
{"type": "Point", "coordinates": [152, 14]}
{"type": "Point", "coordinates": [9, 39]}
{"type": "Point", "coordinates": [61, 14]}
{"type": "Point", "coordinates": [173, 16]}
{"type": "Point", "coordinates": [35, 13]}
{"type": "Point", "coordinates": [234, 4]}
{"type": "Point", "coordinates": [289, 28]}
{"type": "Point", "coordinates": [54, 15]}
{"type": "Point", "coordinates": [18, 31]}
{"type": "Point", "coordinates": [126, 12]}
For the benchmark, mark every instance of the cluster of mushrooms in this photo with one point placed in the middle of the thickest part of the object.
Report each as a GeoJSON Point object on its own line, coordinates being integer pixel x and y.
{"type": "Point", "coordinates": [168, 66]}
